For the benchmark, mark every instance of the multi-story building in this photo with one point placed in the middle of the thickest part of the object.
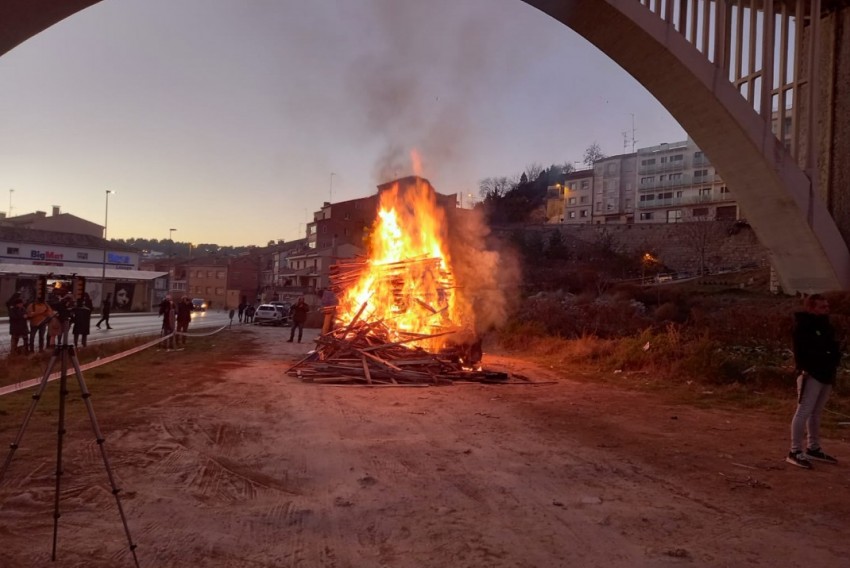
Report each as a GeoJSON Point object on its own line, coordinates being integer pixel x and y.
{"type": "Point", "coordinates": [676, 182]}
{"type": "Point", "coordinates": [58, 222]}
{"type": "Point", "coordinates": [204, 277]}
{"type": "Point", "coordinates": [309, 270]}
{"type": "Point", "coordinates": [350, 221]}
{"type": "Point", "coordinates": [571, 201]}
{"type": "Point", "coordinates": [614, 189]}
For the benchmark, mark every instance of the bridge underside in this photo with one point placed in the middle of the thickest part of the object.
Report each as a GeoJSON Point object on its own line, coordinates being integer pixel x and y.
{"type": "Point", "coordinates": [778, 199]}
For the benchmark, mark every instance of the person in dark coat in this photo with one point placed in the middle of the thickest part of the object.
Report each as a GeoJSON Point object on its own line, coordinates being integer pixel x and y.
{"type": "Point", "coordinates": [168, 312]}
{"type": "Point", "coordinates": [184, 316]}
{"type": "Point", "coordinates": [816, 355]}
{"type": "Point", "coordinates": [82, 322]}
{"type": "Point", "coordinates": [299, 312]}
{"type": "Point", "coordinates": [105, 308]}
{"type": "Point", "coordinates": [241, 310]}
{"type": "Point", "coordinates": [250, 310]}
{"type": "Point", "coordinates": [18, 328]}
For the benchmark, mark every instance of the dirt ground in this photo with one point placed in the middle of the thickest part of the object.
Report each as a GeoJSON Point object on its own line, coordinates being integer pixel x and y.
{"type": "Point", "coordinates": [259, 470]}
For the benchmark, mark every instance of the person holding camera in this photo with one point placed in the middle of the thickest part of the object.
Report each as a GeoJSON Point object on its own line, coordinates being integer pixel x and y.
{"type": "Point", "coordinates": [817, 355]}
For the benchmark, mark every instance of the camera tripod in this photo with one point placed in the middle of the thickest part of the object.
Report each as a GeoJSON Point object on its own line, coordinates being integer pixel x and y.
{"type": "Point", "coordinates": [65, 353]}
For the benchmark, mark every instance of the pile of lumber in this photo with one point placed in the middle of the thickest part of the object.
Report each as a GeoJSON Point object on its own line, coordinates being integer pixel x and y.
{"type": "Point", "coordinates": [360, 353]}
{"type": "Point", "coordinates": [376, 352]}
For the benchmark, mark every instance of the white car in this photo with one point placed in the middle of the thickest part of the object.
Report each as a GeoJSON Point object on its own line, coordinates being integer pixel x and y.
{"type": "Point", "coordinates": [269, 314]}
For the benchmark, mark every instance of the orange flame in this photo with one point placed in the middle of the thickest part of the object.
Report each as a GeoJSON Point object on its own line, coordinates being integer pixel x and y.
{"type": "Point", "coordinates": [407, 281]}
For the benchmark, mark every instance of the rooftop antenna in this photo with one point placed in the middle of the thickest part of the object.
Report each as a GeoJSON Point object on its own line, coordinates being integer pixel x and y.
{"type": "Point", "coordinates": [634, 140]}
{"type": "Point", "coordinates": [625, 141]}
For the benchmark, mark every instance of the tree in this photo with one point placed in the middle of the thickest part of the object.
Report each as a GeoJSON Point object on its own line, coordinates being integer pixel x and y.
{"type": "Point", "coordinates": [592, 154]}
{"type": "Point", "coordinates": [533, 171]}
{"type": "Point", "coordinates": [703, 236]}
{"type": "Point", "coordinates": [495, 187]}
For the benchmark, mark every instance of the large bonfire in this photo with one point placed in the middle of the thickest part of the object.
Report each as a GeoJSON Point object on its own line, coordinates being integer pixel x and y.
{"type": "Point", "coordinates": [406, 281]}
{"type": "Point", "coordinates": [402, 317]}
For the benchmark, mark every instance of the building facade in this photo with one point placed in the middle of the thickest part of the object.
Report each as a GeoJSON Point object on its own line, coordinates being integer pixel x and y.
{"type": "Point", "coordinates": [614, 189]}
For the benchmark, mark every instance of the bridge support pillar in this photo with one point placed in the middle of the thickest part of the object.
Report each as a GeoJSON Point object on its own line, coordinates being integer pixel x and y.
{"type": "Point", "coordinates": [833, 120]}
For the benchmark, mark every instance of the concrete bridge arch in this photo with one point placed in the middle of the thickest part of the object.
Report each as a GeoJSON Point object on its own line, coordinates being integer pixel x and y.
{"type": "Point", "coordinates": [781, 200]}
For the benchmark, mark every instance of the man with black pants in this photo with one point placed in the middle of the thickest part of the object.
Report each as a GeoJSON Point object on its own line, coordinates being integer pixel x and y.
{"type": "Point", "coordinates": [817, 354]}
{"type": "Point", "coordinates": [299, 317]}
{"type": "Point", "coordinates": [104, 312]}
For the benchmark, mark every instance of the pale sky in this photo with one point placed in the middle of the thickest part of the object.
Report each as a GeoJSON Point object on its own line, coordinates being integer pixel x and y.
{"type": "Point", "coordinates": [224, 119]}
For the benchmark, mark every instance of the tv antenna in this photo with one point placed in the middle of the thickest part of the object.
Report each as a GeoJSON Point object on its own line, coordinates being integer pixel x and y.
{"type": "Point", "coordinates": [65, 353]}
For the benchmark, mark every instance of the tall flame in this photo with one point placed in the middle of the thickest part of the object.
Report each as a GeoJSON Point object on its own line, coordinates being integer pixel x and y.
{"type": "Point", "coordinates": [407, 282]}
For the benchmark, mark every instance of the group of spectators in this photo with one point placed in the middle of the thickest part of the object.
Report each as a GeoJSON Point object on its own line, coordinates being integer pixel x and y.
{"type": "Point", "coordinates": [48, 319]}
{"type": "Point", "coordinates": [175, 318]}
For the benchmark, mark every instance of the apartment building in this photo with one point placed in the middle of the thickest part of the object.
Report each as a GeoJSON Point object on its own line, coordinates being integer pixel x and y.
{"type": "Point", "coordinates": [571, 202]}
{"type": "Point", "coordinates": [614, 189]}
{"type": "Point", "coordinates": [676, 182]}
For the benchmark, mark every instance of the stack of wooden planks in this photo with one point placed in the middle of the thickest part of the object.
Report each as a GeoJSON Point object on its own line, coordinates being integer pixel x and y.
{"type": "Point", "coordinates": [360, 353]}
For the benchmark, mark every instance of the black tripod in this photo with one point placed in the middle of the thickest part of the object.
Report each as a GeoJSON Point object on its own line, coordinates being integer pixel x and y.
{"type": "Point", "coordinates": [65, 353]}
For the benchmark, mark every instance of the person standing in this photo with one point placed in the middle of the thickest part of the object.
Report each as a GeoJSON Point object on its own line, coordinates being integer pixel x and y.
{"type": "Point", "coordinates": [18, 325]}
{"type": "Point", "coordinates": [184, 316]}
{"type": "Point", "coordinates": [38, 314]}
{"type": "Point", "coordinates": [167, 311]}
{"type": "Point", "coordinates": [249, 313]}
{"type": "Point", "coordinates": [82, 321]}
{"type": "Point", "coordinates": [299, 317]}
{"type": "Point", "coordinates": [241, 310]}
{"type": "Point", "coordinates": [816, 354]}
{"type": "Point", "coordinates": [104, 312]}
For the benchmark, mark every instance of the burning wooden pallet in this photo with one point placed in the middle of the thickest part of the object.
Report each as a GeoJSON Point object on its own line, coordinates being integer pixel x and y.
{"type": "Point", "coordinates": [360, 353]}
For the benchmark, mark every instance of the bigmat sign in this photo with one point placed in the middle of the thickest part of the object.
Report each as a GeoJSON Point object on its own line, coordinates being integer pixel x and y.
{"type": "Point", "coordinates": [49, 255]}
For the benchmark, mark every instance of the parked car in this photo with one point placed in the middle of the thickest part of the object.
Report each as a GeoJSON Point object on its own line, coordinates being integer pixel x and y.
{"type": "Point", "coordinates": [199, 304]}
{"type": "Point", "coordinates": [286, 307]}
{"type": "Point", "coordinates": [268, 314]}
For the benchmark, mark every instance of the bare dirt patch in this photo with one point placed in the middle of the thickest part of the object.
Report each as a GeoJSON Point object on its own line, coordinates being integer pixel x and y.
{"type": "Point", "coordinates": [232, 463]}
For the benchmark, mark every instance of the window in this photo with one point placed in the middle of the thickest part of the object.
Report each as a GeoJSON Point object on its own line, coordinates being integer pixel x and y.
{"type": "Point", "coordinates": [13, 250]}
{"type": "Point", "coordinates": [583, 213]}
{"type": "Point", "coordinates": [220, 274]}
{"type": "Point", "coordinates": [705, 192]}
{"type": "Point", "coordinates": [679, 194]}
{"type": "Point", "coordinates": [648, 162]}
{"type": "Point", "coordinates": [571, 201]}
{"type": "Point", "coordinates": [82, 256]}
{"type": "Point", "coordinates": [646, 216]}
{"type": "Point", "coordinates": [700, 173]}
{"type": "Point", "coordinates": [572, 186]}
{"type": "Point", "coordinates": [583, 199]}
{"type": "Point", "coordinates": [585, 184]}
{"type": "Point", "coordinates": [674, 216]}
{"type": "Point", "coordinates": [661, 178]}
{"type": "Point", "coordinates": [724, 189]}
{"type": "Point", "coordinates": [219, 291]}
{"type": "Point", "coordinates": [664, 159]}
{"type": "Point", "coordinates": [697, 155]}
{"type": "Point", "coordinates": [676, 158]}
{"type": "Point", "coordinates": [674, 177]}
{"type": "Point", "coordinates": [572, 215]}
{"type": "Point", "coordinates": [668, 195]}
{"type": "Point", "coordinates": [609, 206]}
{"type": "Point", "coordinates": [650, 197]}
{"type": "Point", "coordinates": [700, 212]}
{"type": "Point", "coordinates": [648, 179]}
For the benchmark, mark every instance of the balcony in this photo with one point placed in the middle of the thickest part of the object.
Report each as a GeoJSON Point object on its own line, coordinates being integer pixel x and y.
{"type": "Point", "coordinates": [677, 166]}
{"type": "Point", "coordinates": [674, 201]}
{"type": "Point", "coordinates": [685, 179]}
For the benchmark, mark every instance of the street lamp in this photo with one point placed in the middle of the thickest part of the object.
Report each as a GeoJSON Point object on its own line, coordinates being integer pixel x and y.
{"type": "Point", "coordinates": [105, 242]}
{"type": "Point", "coordinates": [170, 242]}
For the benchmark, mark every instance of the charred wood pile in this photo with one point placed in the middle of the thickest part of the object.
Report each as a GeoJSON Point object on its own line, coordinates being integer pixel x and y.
{"type": "Point", "coordinates": [374, 352]}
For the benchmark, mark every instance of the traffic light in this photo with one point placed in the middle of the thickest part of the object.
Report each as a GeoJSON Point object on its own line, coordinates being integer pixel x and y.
{"type": "Point", "coordinates": [41, 288]}
{"type": "Point", "coordinates": [79, 287]}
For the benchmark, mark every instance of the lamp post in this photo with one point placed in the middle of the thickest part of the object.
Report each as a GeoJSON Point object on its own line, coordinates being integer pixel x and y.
{"type": "Point", "coordinates": [105, 242]}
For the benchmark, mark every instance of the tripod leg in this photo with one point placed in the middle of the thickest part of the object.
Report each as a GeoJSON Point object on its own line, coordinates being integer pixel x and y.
{"type": "Point", "coordinates": [63, 395]}
{"type": "Point", "coordinates": [35, 398]}
{"type": "Point", "coordinates": [100, 442]}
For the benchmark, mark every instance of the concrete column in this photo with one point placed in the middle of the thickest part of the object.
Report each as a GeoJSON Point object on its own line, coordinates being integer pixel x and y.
{"type": "Point", "coordinates": [834, 116]}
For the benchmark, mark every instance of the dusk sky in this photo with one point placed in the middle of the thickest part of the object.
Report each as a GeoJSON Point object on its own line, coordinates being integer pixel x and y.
{"type": "Point", "coordinates": [224, 119]}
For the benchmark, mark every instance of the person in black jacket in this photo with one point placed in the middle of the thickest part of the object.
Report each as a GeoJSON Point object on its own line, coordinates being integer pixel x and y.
{"type": "Point", "coordinates": [299, 312]}
{"type": "Point", "coordinates": [817, 354]}
{"type": "Point", "coordinates": [105, 308]}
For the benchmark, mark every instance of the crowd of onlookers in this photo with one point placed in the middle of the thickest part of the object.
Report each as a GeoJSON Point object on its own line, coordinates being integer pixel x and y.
{"type": "Point", "coordinates": [49, 319]}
